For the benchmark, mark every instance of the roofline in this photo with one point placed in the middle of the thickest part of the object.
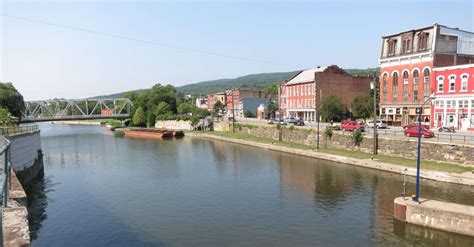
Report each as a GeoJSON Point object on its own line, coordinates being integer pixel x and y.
{"type": "Point", "coordinates": [463, 66]}
{"type": "Point", "coordinates": [411, 30]}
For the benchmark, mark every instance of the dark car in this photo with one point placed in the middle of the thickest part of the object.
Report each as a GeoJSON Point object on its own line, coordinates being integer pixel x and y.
{"type": "Point", "coordinates": [294, 121]}
{"type": "Point", "coordinates": [413, 131]}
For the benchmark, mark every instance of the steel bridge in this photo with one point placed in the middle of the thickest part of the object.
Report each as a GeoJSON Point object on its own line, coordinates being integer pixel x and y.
{"type": "Point", "coordinates": [75, 109]}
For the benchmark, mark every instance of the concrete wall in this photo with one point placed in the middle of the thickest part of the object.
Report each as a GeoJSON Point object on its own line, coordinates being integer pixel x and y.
{"type": "Point", "coordinates": [24, 150]}
{"type": "Point", "coordinates": [436, 214]}
{"type": "Point", "coordinates": [174, 125]}
{"type": "Point", "coordinates": [396, 146]}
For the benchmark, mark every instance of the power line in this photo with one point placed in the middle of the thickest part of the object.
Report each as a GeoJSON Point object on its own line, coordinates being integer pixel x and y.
{"type": "Point", "coordinates": [117, 36]}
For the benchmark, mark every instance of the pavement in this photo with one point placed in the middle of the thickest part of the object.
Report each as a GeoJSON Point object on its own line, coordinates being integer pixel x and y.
{"type": "Point", "coordinates": [466, 137]}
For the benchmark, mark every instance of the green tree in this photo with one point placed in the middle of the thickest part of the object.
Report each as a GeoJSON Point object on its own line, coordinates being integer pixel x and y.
{"type": "Point", "coordinates": [5, 117]}
{"type": "Point", "coordinates": [271, 89]}
{"type": "Point", "coordinates": [218, 108]}
{"type": "Point", "coordinates": [150, 119]}
{"type": "Point", "coordinates": [11, 99]}
{"type": "Point", "coordinates": [271, 109]}
{"type": "Point", "coordinates": [139, 117]}
{"type": "Point", "coordinates": [248, 113]}
{"type": "Point", "coordinates": [162, 108]}
{"type": "Point", "coordinates": [363, 106]}
{"type": "Point", "coordinates": [331, 108]}
{"type": "Point", "coordinates": [185, 108]}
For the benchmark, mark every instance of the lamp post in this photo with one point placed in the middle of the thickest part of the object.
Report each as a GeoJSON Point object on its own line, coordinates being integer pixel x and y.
{"type": "Point", "coordinates": [374, 87]}
{"type": "Point", "coordinates": [419, 111]}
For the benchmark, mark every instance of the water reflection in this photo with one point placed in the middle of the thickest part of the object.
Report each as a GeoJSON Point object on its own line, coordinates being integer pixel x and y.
{"type": "Point", "coordinates": [197, 192]}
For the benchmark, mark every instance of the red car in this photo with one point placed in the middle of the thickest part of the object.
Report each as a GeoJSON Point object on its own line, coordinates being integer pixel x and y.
{"type": "Point", "coordinates": [415, 124]}
{"type": "Point", "coordinates": [413, 131]}
{"type": "Point", "coordinates": [352, 125]}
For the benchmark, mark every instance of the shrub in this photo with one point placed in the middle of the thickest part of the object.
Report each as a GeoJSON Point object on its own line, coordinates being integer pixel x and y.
{"type": "Point", "coordinates": [292, 127]}
{"type": "Point", "coordinates": [328, 133]}
{"type": "Point", "coordinates": [357, 136]}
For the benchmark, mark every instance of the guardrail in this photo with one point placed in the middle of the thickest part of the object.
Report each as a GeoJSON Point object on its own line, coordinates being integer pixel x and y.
{"type": "Point", "coordinates": [438, 136]}
{"type": "Point", "coordinates": [15, 130]}
{"type": "Point", "coordinates": [5, 154]}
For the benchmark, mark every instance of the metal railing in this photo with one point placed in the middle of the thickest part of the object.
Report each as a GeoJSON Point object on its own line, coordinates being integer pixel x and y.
{"type": "Point", "coordinates": [5, 184]}
{"type": "Point", "coordinates": [15, 130]}
{"type": "Point", "coordinates": [452, 137]}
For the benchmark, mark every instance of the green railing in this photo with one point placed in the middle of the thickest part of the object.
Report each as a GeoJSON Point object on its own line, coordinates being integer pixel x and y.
{"type": "Point", "coordinates": [5, 154]}
{"type": "Point", "coordinates": [16, 130]}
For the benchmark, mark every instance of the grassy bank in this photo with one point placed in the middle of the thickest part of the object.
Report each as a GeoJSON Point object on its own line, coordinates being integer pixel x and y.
{"type": "Point", "coordinates": [426, 164]}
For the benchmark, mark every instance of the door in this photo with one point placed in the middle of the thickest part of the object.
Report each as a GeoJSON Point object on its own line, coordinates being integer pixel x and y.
{"type": "Point", "coordinates": [439, 119]}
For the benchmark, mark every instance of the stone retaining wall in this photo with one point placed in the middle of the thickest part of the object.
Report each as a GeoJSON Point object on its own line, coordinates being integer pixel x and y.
{"type": "Point", "coordinates": [174, 125]}
{"type": "Point", "coordinates": [396, 146]}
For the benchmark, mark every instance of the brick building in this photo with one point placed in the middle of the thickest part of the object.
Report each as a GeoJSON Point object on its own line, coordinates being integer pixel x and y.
{"type": "Point", "coordinates": [453, 87]}
{"type": "Point", "coordinates": [213, 98]}
{"type": "Point", "coordinates": [297, 94]}
{"type": "Point", "coordinates": [235, 100]}
{"type": "Point", "coordinates": [407, 60]}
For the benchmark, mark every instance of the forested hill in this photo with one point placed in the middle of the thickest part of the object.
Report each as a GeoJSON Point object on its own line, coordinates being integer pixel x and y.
{"type": "Point", "coordinates": [248, 81]}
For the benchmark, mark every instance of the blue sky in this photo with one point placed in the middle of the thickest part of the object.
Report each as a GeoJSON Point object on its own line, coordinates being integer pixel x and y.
{"type": "Point", "coordinates": [45, 61]}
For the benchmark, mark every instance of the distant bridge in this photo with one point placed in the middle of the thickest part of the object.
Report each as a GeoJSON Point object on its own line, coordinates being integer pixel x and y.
{"type": "Point", "coordinates": [75, 109]}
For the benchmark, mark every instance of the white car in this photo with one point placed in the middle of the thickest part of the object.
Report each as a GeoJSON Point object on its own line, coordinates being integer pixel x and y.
{"type": "Point", "coordinates": [380, 124]}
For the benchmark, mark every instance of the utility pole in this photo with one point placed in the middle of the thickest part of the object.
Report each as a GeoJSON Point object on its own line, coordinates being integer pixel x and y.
{"type": "Point", "coordinates": [279, 113]}
{"type": "Point", "coordinates": [317, 111]}
{"type": "Point", "coordinates": [233, 111]}
{"type": "Point", "coordinates": [374, 86]}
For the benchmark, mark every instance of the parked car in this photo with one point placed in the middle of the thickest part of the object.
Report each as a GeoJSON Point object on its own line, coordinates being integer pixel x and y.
{"type": "Point", "coordinates": [423, 125]}
{"type": "Point", "coordinates": [276, 121]}
{"type": "Point", "coordinates": [352, 125]}
{"type": "Point", "coordinates": [379, 123]}
{"type": "Point", "coordinates": [294, 121]}
{"type": "Point", "coordinates": [413, 131]}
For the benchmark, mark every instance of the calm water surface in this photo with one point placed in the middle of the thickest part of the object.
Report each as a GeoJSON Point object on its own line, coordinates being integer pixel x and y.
{"type": "Point", "coordinates": [100, 189]}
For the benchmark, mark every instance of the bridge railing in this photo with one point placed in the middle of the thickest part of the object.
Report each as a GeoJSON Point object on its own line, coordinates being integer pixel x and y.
{"type": "Point", "coordinates": [5, 184]}
{"type": "Point", "coordinates": [15, 130]}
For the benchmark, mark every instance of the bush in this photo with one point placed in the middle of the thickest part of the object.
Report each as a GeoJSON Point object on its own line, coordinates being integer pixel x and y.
{"type": "Point", "coordinates": [357, 136]}
{"type": "Point", "coordinates": [249, 114]}
{"type": "Point", "coordinates": [292, 127]}
{"type": "Point", "coordinates": [328, 133]}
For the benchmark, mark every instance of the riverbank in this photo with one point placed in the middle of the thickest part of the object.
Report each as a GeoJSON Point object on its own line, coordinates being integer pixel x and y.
{"type": "Point", "coordinates": [444, 172]}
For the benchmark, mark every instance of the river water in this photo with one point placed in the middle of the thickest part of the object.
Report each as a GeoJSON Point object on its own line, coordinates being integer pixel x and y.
{"type": "Point", "coordinates": [105, 190]}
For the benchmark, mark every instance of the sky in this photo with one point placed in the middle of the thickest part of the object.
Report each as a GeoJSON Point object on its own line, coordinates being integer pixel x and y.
{"type": "Point", "coordinates": [78, 49]}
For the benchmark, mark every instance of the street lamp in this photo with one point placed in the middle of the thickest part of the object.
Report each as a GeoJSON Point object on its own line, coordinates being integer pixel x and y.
{"type": "Point", "coordinates": [420, 111]}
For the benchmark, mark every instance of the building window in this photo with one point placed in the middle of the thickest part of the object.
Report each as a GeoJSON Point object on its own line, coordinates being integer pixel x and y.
{"type": "Point", "coordinates": [395, 86]}
{"type": "Point", "coordinates": [464, 78]}
{"type": "Point", "coordinates": [392, 47]}
{"type": "Point", "coordinates": [440, 83]}
{"type": "Point", "coordinates": [406, 46]}
{"type": "Point", "coordinates": [416, 79]}
{"type": "Point", "coordinates": [422, 41]}
{"type": "Point", "coordinates": [452, 83]}
{"type": "Point", "coordinates": [448, 104]}
{"type": "Point", "coordinates": [384, 88]}
{"type": "Point", "coordinates": [426, 83]}
{"type": "Point", "coordinates": [405, 77]}
{"type": "Point", "coordinates": [405, 86]}
{"type": "Point", "coordinates": [441, 103]}
{"type": "Point", "coordinates": [464, 104]}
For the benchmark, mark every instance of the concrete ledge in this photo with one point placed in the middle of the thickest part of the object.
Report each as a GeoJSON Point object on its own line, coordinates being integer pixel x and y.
{"type": "Point", "coordinates": [440, 215]}
{"type": "Point", "coordinates": [464, 178]}
{"type": "Point", "coordinates": [16, 230]}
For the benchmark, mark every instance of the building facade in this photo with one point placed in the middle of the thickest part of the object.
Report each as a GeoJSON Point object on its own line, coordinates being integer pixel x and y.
{"type": "Point", "coordinates": [406, 65]}
{"type": "Point", "coordinates": [235, 104]}
{"type": "Point", "coordinates": [213, 98]}
{"type": "Point", "coordinates": [453, 105]}
{"type": "Point", "coordinates": [297, 95]}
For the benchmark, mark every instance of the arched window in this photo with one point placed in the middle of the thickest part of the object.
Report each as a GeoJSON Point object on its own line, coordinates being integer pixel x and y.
{"type": "Point", "coordinates": [416, 79]}
{"type": "Point", "coordinates": [405, 86]}
{"type": "Point", "coordinates": [452, 83]}
{"type": "Point", "coordinates": [422, 41]}
{"type": "Point", "coordinates": [464, 78]}
{"type": "Point", "coordinates": [440, 80]}
{"type": "Point", "coordinates": [384, 88]}
{"type": "Point", "coordinates": [395, 86]}
{"type": "Point", "coordinates": [426, 83]}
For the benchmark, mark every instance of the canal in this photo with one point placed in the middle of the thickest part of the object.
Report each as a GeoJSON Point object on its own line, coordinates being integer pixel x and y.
{"type": "Point", "coordinates": [105, 190]}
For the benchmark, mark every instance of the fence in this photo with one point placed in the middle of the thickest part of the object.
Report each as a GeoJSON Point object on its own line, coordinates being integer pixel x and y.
{"type": "Point", "coordinates": [16, 130]}
{"type": "Point", "coordinates": [5, 154]}
{"type": "Point", "coordinates": [453, 137]}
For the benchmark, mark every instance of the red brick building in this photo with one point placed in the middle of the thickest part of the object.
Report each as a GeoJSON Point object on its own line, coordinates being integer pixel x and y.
{"type": "Point", "coordinates": [453, 106]}
{"type": "Point", "coordinates": [234, 100]}
{"type": "Point", "coordinates": [406, 65]}
{"type": "Point", "coordinates": [297, 94]}
{"type": "Point", "coordinates": [213, 98]}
